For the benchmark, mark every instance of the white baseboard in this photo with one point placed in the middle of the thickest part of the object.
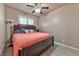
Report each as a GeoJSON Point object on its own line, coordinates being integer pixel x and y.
{"type": "Point", "coordinates": [66, 46]}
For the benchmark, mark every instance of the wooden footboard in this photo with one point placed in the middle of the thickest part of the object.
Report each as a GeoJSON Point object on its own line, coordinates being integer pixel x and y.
{"type": "Point", "coordinates": [37, 48]}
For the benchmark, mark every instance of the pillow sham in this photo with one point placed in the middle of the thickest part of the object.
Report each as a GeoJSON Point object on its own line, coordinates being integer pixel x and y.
{"type": "Point", "coordinates": [19, 31]}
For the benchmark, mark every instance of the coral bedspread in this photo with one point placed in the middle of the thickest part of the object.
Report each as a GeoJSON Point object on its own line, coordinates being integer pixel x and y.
{"type": "Point", "coordinates": [27, 39]}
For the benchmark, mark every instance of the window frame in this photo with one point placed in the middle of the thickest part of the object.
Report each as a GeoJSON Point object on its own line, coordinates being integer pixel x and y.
{"type": "Point", "coordinates": [27, 22]}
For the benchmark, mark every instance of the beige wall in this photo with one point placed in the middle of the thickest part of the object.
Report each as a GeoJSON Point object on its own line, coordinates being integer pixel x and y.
{"type": "Point", "coordinates": [2, 27]}
{"type": "Point", "coordinates": [63, 23]}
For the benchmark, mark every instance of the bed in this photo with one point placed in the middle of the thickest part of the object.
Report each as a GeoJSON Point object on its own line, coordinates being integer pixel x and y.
{"type": "Point", "coordinates": [32, 43]}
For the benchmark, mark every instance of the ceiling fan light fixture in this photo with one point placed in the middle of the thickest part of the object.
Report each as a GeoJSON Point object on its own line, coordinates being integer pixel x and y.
{"type": "Point", "coordinates": [37, 10]}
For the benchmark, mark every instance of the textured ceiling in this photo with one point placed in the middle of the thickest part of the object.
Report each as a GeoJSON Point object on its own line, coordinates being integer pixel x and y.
{"type": "Point", "coordinates": [24, 8]}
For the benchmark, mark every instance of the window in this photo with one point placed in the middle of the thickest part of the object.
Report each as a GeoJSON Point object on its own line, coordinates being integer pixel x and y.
{"type": "Point", "coordinates": [25, 20]}
{"type": "Point", "coordinates": [30, 21]}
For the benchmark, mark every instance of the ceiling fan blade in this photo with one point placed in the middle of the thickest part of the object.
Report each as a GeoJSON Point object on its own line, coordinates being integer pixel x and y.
{"type": "Point", "coordinates": [33, 11]}
{"type": "Point", "coordinates": [29, 5]}
{"type": "Point", "coordinates": [41, 12]}
{"type": "Point", "coordinates": [45, 7]}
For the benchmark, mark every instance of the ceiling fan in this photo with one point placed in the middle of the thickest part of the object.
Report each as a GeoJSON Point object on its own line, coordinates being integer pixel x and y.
{"type": "Point", "coordinates": [37, 8]}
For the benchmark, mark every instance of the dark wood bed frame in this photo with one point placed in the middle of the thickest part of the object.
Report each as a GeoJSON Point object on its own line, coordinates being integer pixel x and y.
{"type": "Point", "coordinates": [36, 49]}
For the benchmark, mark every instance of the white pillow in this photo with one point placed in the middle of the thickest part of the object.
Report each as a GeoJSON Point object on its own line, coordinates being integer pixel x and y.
{"type": "Point", "coordinates": [26, 30]}
{"type": "Point", "coordinates": [31, 30]}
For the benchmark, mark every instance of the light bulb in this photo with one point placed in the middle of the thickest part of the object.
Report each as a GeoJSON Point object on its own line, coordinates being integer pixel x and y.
{"type": "Point", "coordinates": [37, 10]}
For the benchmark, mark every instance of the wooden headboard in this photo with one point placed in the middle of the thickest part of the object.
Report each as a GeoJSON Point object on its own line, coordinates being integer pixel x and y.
{"type": "Point", "coordinates": [24, 27]}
